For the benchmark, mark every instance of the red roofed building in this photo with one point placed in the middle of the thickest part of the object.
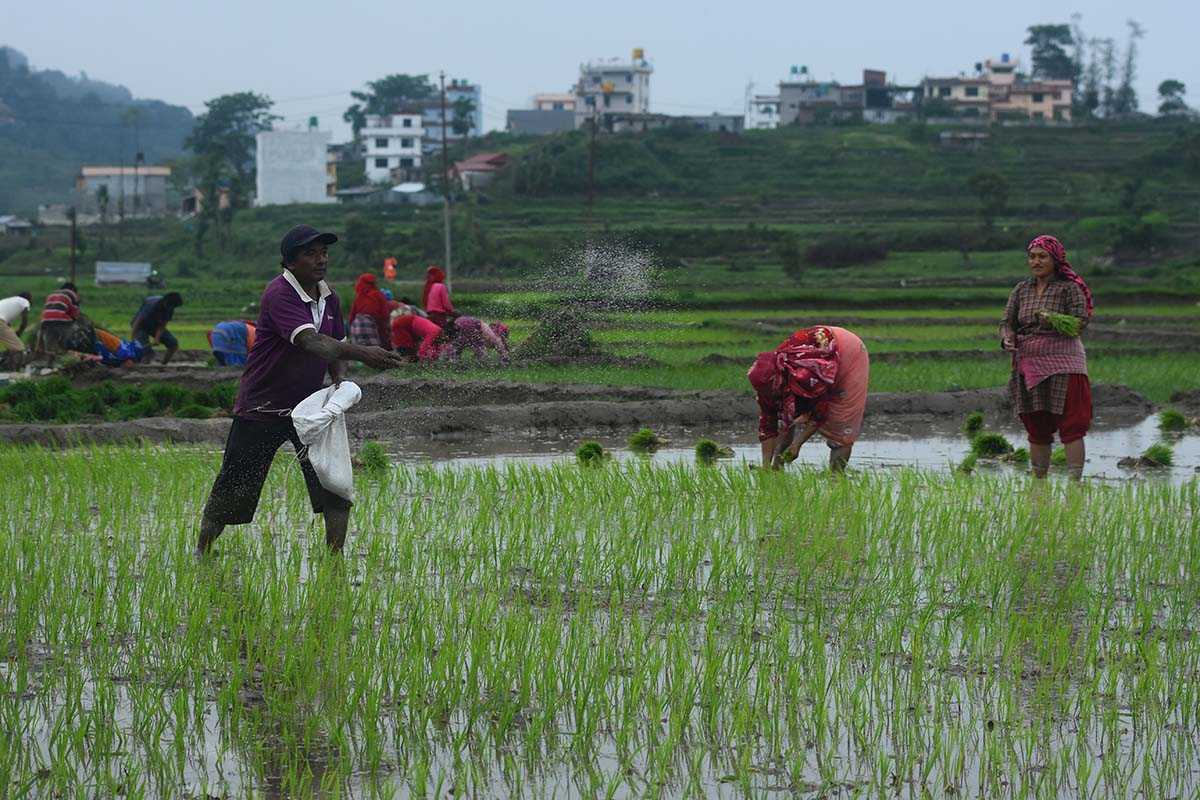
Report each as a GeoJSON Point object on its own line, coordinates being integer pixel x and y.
{"type": "Point", "coordinates": [478, 170]}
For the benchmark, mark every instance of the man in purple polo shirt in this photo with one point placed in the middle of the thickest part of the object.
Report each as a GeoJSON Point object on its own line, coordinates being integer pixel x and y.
{"type": "Point", "coordinates": [300, 337]}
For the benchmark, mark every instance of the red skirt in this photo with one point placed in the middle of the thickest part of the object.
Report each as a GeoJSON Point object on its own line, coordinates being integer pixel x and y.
{"type": "Point", "coordinates": [1072, 425]}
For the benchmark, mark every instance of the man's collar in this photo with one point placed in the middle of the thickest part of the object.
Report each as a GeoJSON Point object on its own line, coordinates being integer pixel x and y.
{"type": "Point", "coordinates": [322, 287]}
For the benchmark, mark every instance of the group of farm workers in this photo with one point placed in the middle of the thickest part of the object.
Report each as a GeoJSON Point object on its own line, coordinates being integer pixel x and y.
{"type": "Point", "coordinates": [434, 330]}
{"type": "Point", "coordinates": [815, 382]}
{"type": "Point", "coordinates": [426, 332]}
{"type": "Point", "coordinates": [63, 326]}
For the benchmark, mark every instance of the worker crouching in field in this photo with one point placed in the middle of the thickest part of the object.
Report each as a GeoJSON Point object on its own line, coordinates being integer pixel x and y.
{"type": "Point", "coordinates": [14, 309]}
{"type": "Point", "coordinates": [62, 322]}
{"type": "Point", "coordinates": [816, 381]}
{"type": "Point", "coordinates": [150, 322]}
{"type": "Point", "coordinates": [1049, 387]}
{"type": "Point", "coordinates": [300, 336]}
{"type": "Point", "coordinates": [231, 342]}
{"type": "Point", "coordinates": [413, 335]}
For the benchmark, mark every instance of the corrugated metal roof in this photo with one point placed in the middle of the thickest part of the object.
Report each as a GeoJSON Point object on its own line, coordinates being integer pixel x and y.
{"type": "Point", "coordinates": [99, 172]}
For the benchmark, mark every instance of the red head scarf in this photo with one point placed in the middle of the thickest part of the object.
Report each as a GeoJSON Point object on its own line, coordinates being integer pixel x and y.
{"type": "Point", "coordinates": [804, 366]}
{"type": "Point", "coordinates": [432, 275]}
{"type": "Point", "coordinates": [1056, 250]}
{"type": "Point", "coordinates": [368, 299]}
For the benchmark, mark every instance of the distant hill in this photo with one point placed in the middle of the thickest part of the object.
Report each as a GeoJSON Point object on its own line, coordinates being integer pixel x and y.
{"type": "Point", "coordinates": [52, 123]}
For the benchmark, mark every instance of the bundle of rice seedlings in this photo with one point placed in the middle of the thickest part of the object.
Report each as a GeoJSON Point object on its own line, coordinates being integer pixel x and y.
{"type": "Point", "coordinates": [1065, 324]}
{"type": "Point", "coordinates": [590, 454]}
{"type": "Point", "coordinates": [708, 451]}
{"type": "Point", "coordinates": [990, 445]}
{"type": "Point", "coordinates": [645, 441]}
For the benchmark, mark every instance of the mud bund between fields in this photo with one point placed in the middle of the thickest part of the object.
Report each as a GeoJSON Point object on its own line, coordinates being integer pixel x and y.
{"type": "Point", "coordinates": [489, 412]}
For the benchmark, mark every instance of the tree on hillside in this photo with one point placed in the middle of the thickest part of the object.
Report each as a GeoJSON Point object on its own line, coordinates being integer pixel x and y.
{"type": "Point", "coordinates": [387, 96]}
{"type": "Point", "coordinates": [222, 142]}
{"type": "Point", "coordinates": [991, 188]}
{"type": "Point", "coordinates": [1170, 97]}
{"type": "Point", "coordinates": [464, 116]}
{"type": "Point", "coordinates": [1051, 61]}
{"type": "Point", "coordinates": [1125, 100]}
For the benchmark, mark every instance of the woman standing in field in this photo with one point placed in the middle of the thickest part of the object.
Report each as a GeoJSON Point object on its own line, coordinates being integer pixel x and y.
{"type": "Point", "coordinates": [435, 297]}
{"type": "Point", "coordinates": [816, 381]}
{"type": "Point", "coordinates": [1049, 386]}
{"type": "Point", "coordinates": [369, 322]}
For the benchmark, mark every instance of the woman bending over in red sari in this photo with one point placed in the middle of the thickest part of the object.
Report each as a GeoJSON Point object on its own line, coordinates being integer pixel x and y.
{"type": "Point", "coordinates": [815, 382]}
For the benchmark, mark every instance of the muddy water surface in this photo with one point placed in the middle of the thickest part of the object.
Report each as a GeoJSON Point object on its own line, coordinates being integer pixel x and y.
{"type": "Point", "coordinates": [940, 450]}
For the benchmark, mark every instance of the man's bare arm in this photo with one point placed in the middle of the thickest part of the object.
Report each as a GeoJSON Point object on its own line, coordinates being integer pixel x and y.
{"type": "Point", "coordinates": [329, 349]}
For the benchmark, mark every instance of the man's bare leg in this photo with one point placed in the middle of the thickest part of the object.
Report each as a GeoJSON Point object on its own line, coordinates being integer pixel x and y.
{"type": "Point", "coordinates": [839, 457]}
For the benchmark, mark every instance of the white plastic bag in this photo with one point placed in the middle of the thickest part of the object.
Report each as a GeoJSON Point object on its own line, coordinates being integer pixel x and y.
{"type": "Point", "coordinates": [320, 421]}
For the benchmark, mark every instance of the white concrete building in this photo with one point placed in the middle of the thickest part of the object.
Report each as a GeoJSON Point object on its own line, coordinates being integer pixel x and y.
{"type": "Point", "coordinates": [457, 89]}
{"type": "Point", "coordinates": [613, 86]}
{"type": "Point", "coordinates": [292, 167]}
{"type": "Point", "coordinates": [392, 141]}
{"type": "Point", "coordinates": [762, 112]}
{"type": "Point", "coordinates": [552, 101]}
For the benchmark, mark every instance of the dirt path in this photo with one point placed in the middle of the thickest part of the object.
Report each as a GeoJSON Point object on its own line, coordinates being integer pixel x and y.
{"type": "Point", "coordinates": [397, 409]}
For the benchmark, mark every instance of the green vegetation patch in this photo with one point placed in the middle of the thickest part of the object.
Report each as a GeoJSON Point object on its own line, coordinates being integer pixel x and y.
{"type": "Point", "coordinates": [54, 399]}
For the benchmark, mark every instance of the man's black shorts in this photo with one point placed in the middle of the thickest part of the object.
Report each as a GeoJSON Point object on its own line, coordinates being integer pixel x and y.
{"type": "Point", "coordinates": [248, 454]}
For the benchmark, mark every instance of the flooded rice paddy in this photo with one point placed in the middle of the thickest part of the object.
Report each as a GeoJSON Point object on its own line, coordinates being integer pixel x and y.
{"type": "Point", "coordinates": [642, 628]}
{"type": "Point", "coordinates": [895, 448]}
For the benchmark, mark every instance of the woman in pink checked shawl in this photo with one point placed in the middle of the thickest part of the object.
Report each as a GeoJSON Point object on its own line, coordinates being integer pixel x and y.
{"type": "Point", "coordinates": [1049, 387]}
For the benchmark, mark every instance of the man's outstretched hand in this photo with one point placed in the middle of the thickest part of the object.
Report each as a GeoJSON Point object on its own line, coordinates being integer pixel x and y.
{"type": "Point", "coordinates": [378, 358]}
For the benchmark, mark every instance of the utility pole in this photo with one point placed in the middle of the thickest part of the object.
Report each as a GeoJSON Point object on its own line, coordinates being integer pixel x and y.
{"type": "Point", "coordinates": [138, 160]}
{"type": "Point", "coordinates": [606, 91]}
{"type": "Point", "coordinates": [445, 180]}
{"type": "Point", "coordinates": [591, 194]}
{"type": "Point", "coordinates": [71, 216]}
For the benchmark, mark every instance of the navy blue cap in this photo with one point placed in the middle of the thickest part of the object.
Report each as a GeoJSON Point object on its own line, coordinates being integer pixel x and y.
{"type": "Point", "coordinates": [302, 236]}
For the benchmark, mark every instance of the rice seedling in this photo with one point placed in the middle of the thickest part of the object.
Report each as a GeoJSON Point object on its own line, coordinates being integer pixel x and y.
{"type": "Point", "coordinates": [590, 454]}
{"type": "Point", "coordinates": [967, 465]}
{"type": "Point", "coordinates": [1170, 420]}
{"type": "Point", "coordinates": [708, 451]}
{"type": "Point", "coordinates": [373, 458]}
{"type": "Point", "coordinates": [1058, 457]}
{"type": "Point", "coordinates": [645, 440]}
{"type": "Point", "coordinates": [1159, 454]}
{"type": "Point", "coordinates": [990, 445]}
{"type": "Point", "coordinates": [548, 631]}
{"type": "Point", "coordinates": [973, 424]}
{"type": "Point", "coordinates": [1018, 456]}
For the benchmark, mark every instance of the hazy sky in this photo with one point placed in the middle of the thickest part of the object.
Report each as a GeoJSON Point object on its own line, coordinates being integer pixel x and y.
{"type": "Point", "coordinates": [307, 55]}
